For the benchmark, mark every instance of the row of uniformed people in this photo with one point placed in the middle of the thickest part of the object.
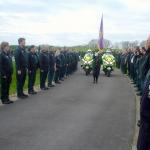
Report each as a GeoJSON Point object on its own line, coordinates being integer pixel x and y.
{"type": "Point", "coordinates": [136, 63]}
{"type": "Point", "coordinates": [53, 66]}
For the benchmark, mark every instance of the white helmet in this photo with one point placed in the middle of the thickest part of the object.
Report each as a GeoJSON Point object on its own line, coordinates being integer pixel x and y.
{"type": "Point", "coordinates": [108, 51]}
{"type": "Point", "coordinates": [89, 50]}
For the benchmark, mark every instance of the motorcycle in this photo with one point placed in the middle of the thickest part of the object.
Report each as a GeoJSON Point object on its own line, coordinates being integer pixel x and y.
{"type": "Point", "coordinates": [87, 66]}
{"type": "Point", "coordinates": [108, 66]}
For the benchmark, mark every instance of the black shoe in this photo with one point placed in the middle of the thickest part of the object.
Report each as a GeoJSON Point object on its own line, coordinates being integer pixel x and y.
{"type": "Point", "coordinates": [45, 88]}
{"type": "Point", "coordinates": [139, 123]}
{"type": "Point", "coordinates": [58, 82]}
{"type": "Point", "coordinates": [50, 85]}
{"type": "Point", "coordinates": [10, 101]}
{"type": "Point", "coordinates": [6, 102]}
{"type": "Point", "coordinates": [32, 92]}
{"type": "Point", "coordinates": [21, 96]}
{"type": "Point", "coordinates": [25, 95]}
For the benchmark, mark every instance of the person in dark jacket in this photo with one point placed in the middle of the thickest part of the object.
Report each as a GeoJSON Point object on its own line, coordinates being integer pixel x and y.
{"type": "Point", "coordinates": [96, 67]}
{"type": "Point", "coordinates": [145, 67]}
{"type": "Point", "coordinates": [62, 68]}
{"type": "Point", "coordinates": [58, 67]}
{"type": "Point", "coordinates": [6, 70]}
{"type": "Point", "coordinates": [144, 133]}
{"type": "Point", "coordinates": [51, 70]}
{"type": "Point", "coordinates": [44, 65]}
{"type": "Point", "coordinates": [21, 67]}
{"type": "Point", "coordinates": [32, 68]}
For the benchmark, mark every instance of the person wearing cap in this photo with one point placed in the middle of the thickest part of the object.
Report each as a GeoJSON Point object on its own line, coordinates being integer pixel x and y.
{"type": "Point", "coordinates": [44, 65]}
{"type": "Point", "coordinates": [6, 70]}
{"type": "Point", "coordinates": [32, 68]}
{"type": "Point", "coordinates": [51, 70]}
{"type": "Point", "coordinates": [58, 67]}
{"type": "Point", "coordinates": [144, 132]}
{"type": "Point", "coordinates": [63, 64]}
{"type": "Point", "coordinates": [21, 67]}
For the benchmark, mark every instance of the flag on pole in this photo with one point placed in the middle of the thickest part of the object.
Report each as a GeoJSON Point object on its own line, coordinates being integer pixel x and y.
{"type": "Point", "coordinates": [101, 36]}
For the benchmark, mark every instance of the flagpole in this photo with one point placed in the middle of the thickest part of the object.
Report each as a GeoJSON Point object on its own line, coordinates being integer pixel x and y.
{"type": "Point", "coordinates": [101, 35]}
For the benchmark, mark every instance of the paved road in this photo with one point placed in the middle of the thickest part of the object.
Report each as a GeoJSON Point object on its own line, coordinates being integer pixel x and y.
{"type": "Point", "coordinates": [77, 115]}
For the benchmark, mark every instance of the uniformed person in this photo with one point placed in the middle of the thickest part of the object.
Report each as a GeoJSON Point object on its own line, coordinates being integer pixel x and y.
{"type": "Point", "coordinates": [145, 67]}
{"type": "Point", "coordinates": [123, 62]}
{"type": "Point", "coordinates": [32, 68]}
{"type": "Point", "coordinates": [6, 70]}
{"type": "Point", "coordinates": [51, 70]}
{"type": "Point", "coordinates": [96, 67]}
{"type": "Point", "coordinates": [144, 133]}
{"type": "Point", "coordinates": [58, 67]}
{"type": "Point", "coordinates": [21, 67]}
{"type": "Point", "coordinates": [44, 66]}
{"type": "Point", "coordinates": [62, 65]}
{"type": "Point", "coordinates": [67, 63]}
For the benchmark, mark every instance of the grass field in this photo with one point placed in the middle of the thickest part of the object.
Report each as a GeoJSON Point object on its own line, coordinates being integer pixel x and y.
{"type": "Point", "coordinates": [13, 83]}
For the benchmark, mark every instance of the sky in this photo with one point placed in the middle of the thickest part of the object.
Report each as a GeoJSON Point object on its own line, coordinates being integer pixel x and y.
{"type": "Point", "coordinates": [73, 22]}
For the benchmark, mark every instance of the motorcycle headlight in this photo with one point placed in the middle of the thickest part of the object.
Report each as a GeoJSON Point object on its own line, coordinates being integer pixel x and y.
{"type": "Point", "coordinates": [85, 62]}
{"type": "Point", "coordinates": [90, 61]}
{"type": "Point", "coordinates": [106, 62]}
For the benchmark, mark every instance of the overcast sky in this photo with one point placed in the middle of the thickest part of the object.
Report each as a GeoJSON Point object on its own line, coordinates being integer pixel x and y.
{"type": "Point", "coordinates": [73, 22]}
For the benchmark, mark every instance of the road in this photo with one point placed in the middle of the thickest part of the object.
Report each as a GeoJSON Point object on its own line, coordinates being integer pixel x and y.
{"type": "Point", "coordinates": [76, 115]}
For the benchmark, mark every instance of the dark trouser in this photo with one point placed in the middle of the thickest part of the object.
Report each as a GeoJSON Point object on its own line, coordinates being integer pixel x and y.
{"type": "Point", "coordinates": [57, 74]}
{"type": "Point", "coordinates": [64, 71]}
{"type": "Point", "coordinates": [31, 80]}
{"type": "Point", "coordinates": [67, 70]}
{"type": "Point", "coordinates": [5, 86]}
{"type": "Point", "coordinates": [50, 76]}
{"type": "Point", "coordinates": [21, 81]}
{"type": "Point", "coordinates": [96, 75]}
{"type": "Point", "coordinates": [142, 85]}
{"type": "Point", "coordinates": [144, 137]}
{"type": "Point", "coordinates": [43, 76]}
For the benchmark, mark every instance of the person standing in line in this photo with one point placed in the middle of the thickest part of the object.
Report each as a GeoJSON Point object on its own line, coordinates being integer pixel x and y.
{"type": "Point", "coordinates": [6, 70]}
{"type": "Point", "coordinates": [21, 67]}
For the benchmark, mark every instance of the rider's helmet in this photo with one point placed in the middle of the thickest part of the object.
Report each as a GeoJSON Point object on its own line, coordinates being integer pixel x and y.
{"type": "Point", "coordinates": [89, 51]}
{"type": "Point", "coordinates": [108, 51]}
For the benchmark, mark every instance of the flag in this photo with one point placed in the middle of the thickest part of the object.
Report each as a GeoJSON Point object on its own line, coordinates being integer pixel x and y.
{"type": "Point", "coordinates": [101, 36]}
